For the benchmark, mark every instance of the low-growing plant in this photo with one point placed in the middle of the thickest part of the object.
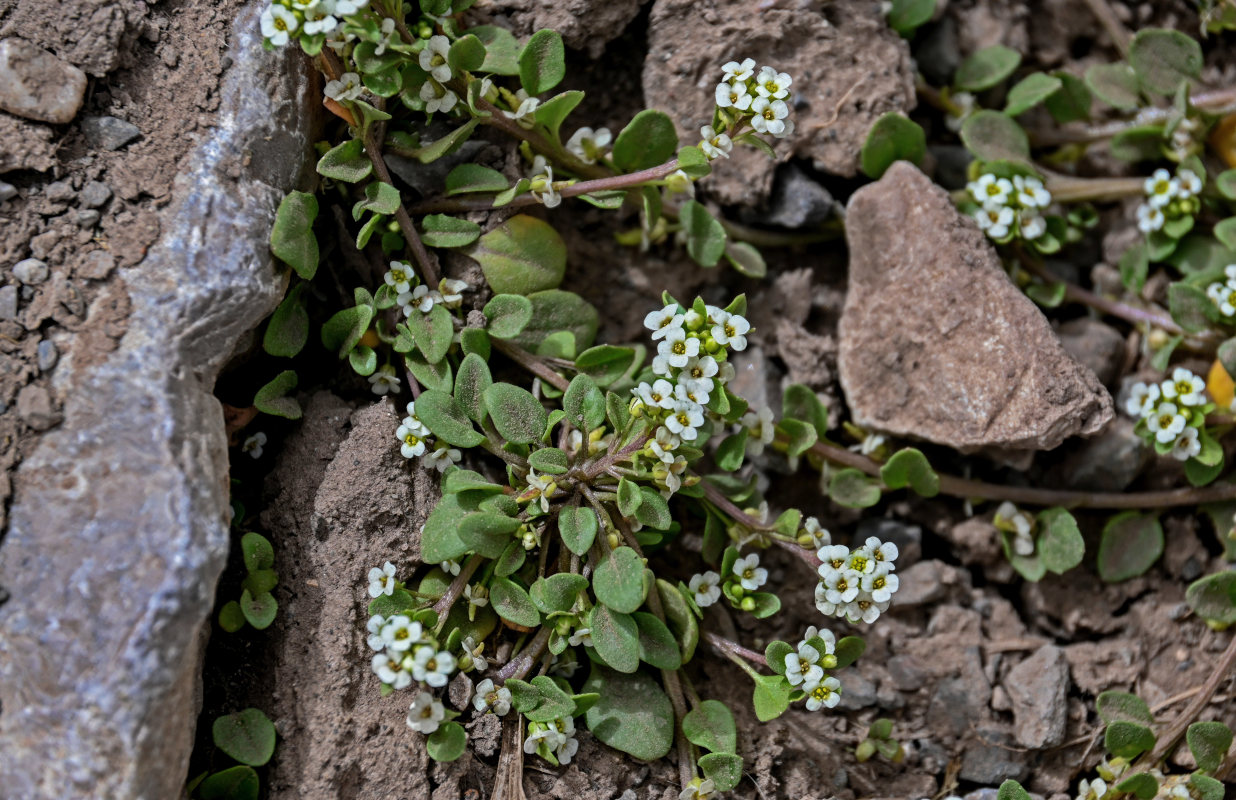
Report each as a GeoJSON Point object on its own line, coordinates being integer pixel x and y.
{"type": "Point", "coordinates": [247, 737]}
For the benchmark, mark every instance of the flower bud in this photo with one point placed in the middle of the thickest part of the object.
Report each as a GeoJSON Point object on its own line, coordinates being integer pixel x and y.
{"type": "Point", "coordinates": [748, 603]}
{"type": "Point", "coordinates": [865, 750]}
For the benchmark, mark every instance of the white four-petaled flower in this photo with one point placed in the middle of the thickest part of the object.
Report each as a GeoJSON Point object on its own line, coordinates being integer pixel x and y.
{"type": "Point", "coordinates": [705, 588]}
{"type": "Point", "coordinates": [425, 714]}
{"type": "Point", "coordinates": [382, 580]}
{"type": "Point", "coordinates": [749, 572]}
{"type": "Point", "coordinates": [433, 58]}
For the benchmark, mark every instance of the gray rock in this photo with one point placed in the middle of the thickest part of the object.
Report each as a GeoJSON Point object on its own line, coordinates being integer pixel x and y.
{"type": "Point", "coordinates": [906, 673]}
{"type": "Point", "coordinates": [908, 538]}
{"type": "Point", "coordinates": [7, 191]}
{"type": "Point", "coordinates": [991, 760]}
{"type": "Point", "coordinates": [109, 133]}
{"type": "Point", "coordinates": [955, 705]}
{"type": "Point", "coordinates": [59, 192]}
{"type": "Point", "coordinates": [36, 85]}
{"type": "Point", "coordinates": [857, 692]}
{"type": "Point", "coordinates": [926, 582]}
{"type": "Point", "coordinates": [47, 355]}
{"type": "Point", "coordinates": [87, 218]}
{"type": "Point", "coordinates": [1109, 462]}
{"type": "Point", "coordinates": [1096, 345]}
{"type": "Point", "coordinates": [1038, 688]}
{"type": "Point", "coordinates": [797, 201]}
{"type": "Point", "coordinates": [95, 194]}
{"type": "Point", "coordinates": [34, 407]}
{"type": "Point", "coordinates": [31, 271]}
{"type": "Point", "coordinates": [97, 265]}
{"type": "Point", "coordinates": [937, 53]}
{"type": "Point", "coordinates": [937, 344]}
{"type": "Point", "coordinates": [134, 505]}
{"type": "Point", "coordinates": [8, 302]}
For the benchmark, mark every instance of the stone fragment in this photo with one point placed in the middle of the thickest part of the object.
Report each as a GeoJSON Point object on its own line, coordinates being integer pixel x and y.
{"type": "Point", "coordinates": [1094, 344]}
{"type": "Point", "coordinates": [937, 344]}
{"type": "Point", "coordinates": [848, 67]}
{"type": "Point", "coordinates": [926, 582]}
{"type": "Point", "coordinates": [27, 145]}
{"type": "Point", "coordinates": [31, 271]}
{"type": "Point", "coordinates": [95, 194]}
{"type": "Point", "coordinates": [47, 355]}
{"type": "Point", "coordinates": [857, 692]}
{"type": "Point", "coordinates": [97, 265]}
{"type": "Point", "coordinates": [797, 201]}
{"type": "Point", "coordinates": [7, 191]}
{"type": "Point", "coordinates": [87, 218]}
{"type": "Point", "coordinates": [109, 133]}
{"type": "Point", "coordinates": [8, 302]}
{"type": "Point", "coordinates": [991, 760]}
{"type": "Point", "coordinates": [1039, 688]}
{"type": "Point", "coordinates": [36, 85]}
{"type": "Point", "coordinates": [34, 407]}
{"type": "Point", "coordinates": [1109, 462]}
{"type": "Point", "coordinates": [59, 192]}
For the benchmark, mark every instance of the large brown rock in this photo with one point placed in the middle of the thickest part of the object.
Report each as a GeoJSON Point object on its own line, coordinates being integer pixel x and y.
{"type": "Point", "coordinates": [937, 344]}
{"type": "Point", "coordinates": [586, 25]}
{"type": "Point", "coordinates": [36, 85]}
{"type": "Point", "coordinates": [848, 68]}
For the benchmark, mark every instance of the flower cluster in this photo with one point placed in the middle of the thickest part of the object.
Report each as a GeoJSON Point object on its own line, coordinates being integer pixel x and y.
{"type": "Point", "coordinates": [1223, 293]}
{"type": "Point", "coordinates": [416, 441]}
{"type": "Point", "coordinates": [692, 351]}
{"type": "Point", "coordinates": [1019, 524]}
{"type": "Point", "coordinates": [553, 741]}
{"type": "Point", "coordinates": [758, 98]}
{"type": "Point", "coordinates": [805, 669]}
{"type": "Point", "coordinates": [284, 20]}
{"type": "Point", "coordinates": [1010, 208]}
{"type": "Point", "coordinates": [856, 584]}
{"type": "Point", "coordinates": [1168, 199]}
{"type": "Point", "coordinates": [1173, 411]}
{"type": "Point", "coordinates": [412, 296]}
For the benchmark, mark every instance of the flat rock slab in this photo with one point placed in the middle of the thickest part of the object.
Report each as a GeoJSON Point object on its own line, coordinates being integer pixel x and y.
{"type": "Point", "coordinates": [1039, 690]}
{"type": "Point", "coordinates": [937, 344]}
{"type": "Point", "coordinates": [36, 85]}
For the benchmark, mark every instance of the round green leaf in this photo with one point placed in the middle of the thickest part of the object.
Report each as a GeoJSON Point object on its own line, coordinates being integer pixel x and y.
{"type": "Point", "coordinates": [513, 603]}
{"type": "Point", "coordinates": [257, 551]}
{"type": "Point", "coordinates": [231, 618]}
{"type": "Point", "coordinates": [680, 617]}
{"type": "Point", "coordinates": [1209, 743]}
{"type": "Point", "coordinates": [554, 311]}
{"type": "Point", "coordinates": [1012, 790]}
{"type": "Point", "coordinates": [892, 138]}
{"type": "Point", "coordinates": [1131, 543]}
{"type": "Point", "coordinates": [346, 162]}
{"type": "Point", "coordinates": [1128, 739]}
{"type": "Point", "coordinates": [583, 402]}
{"type": "Point", "coordinates": [1030, 91]}
{"type": "Point", "coordinates": [1072, 102]}
{"type": "Point", "coordinates": [469, 177]}
{"type": "Point", "coordinates": [446, 419]}
{"type": "Point", "coordinates": [1142, 786]}
{"type": "Point", "coordinates": [272, 398]}
{"type": "Point", "coordinates": [705, 236]}
{"type": "Point", "coordinates": [619, 581]}
{"type": "Point", "coordinates": [542, 62]}
{"type": "Point", "coordinates": [746, 259]}
{"type": "Point", "coordinates": [448, 742]}
{"type": "Point", "coordinates": [236, 783]}
{"type": "Point", "coordinates": [1114, 84]}
{"type": "Point", "coordinates": [724, 769]}
{"type": "Point", "coordinates": [1116, 706]}
{"type": "Point", "coordinates": [288, 329]}
{"type": "Point", "coordinates": [291, 239]}
{"type": "Point", "coordinates": [986, 68]}
{"type": "Point", "coordinates": [260, 610]}
{"type": "Point", "coordinates": [653, 510]}
{"type": "Point", "coordinates": [851, 488]}
{"type": "Point", "coordinates": [648, 140]}
{"type": "Point", "coordinates": [471, 382]}
{"type": "Point", "coordinates": [1163, 59]}
{"type": "Point", "coordinates": [577, 525]}
{"type": "Point", "coordinates": [549, 460]}
{"type": "Point", "coordinates": [848, 650]}
{"type": "Point", "coordinates": [711, 726]}
{"type": "Point", "coordinates": [1204, 787]}
{"type": "Point", "coordinates": [1214, 597]}
{"type": "Point", "coordinates": [615, 637]}
{"type": "Point", "coordinates": [607, 363]}
{"type": "Point", "coordinates": [906, 16]}
{"type": "Point", "coordinates": [992, 136]}
{"type": "Point", "coordinates": [519, 417]}
{"type": "Point", "coordinates": [247, 736]}
{"type": "Point", "coordinates": [1060, 542]}
{"type": "Point", "coordinates": [521, 256]}
{"type": "Point", "coordinates": [909, 467]}
{"type": "Point", "coordinates": [507, 315]}
{"type": "Point", "coordinates": [442, 230]}
{"type": "Point", "coordinates": [632, 715]}
{"type": "Point", "coordinates": [656, 644]}
{"type": "Point", "coordinates": [558, 592]}
{"type": "Point", "coordinates": [1190, 307]}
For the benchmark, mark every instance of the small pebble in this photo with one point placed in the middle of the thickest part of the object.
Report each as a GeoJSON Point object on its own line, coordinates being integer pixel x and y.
{"type": "Point", "coordinates": [97, 265]}
{"type": "Point", "coordinates": [87, 218]}
{"type": "Point", "coordinates": [31, 271]}
{"type": "Point", "coordinates": [95, 194]}
{"type": "Point", "coordinates": [8, 302]}
{"type": "Point", "coordinates": [59, 192]}
{"type": "Point", "coordinates": [7, 191]}
{"type": "Point", "coordinates": [48, 355]}
{"type": "Point", "coordinates": [109, 133]}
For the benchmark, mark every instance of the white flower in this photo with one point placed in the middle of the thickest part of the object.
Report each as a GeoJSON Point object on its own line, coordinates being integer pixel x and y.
{"type": "Point", "coordinates": [524, 115]}
{"type": "Point", "coordinates": [880, 584]}
{"type": "Point", "coordinates": [1088, 790]}
{"type": "Point", "coordinates": [390, 670]}
{"type": "Point", "coordinates": [1031, 224]}
{"type": "Point", "coordinates": [1023, 543]}
{"type": "Point", "coordinates": [388, 30]}
{"type": "Point", "coordinates": [706, 588]}
{"type": "Point", "coordinates": [819, 536]}
{"type": "Point", "coordinates": [253, 445]}
{"type": "Point", "coordinates": [659, 395]}
{"type": "Point", "coordinates": [733, 95]}
{"type": "Point", "coordinates": [821, 601]}
{"type": "Point", "coordinates": [679, 182]}
{"type": "Point", "coordinates": [768, 115]}
{"type": "Point", "coordinates": [544, 484]}
{"type": "Point", "coordinates": [398, 277]}
{"type": "Point", "coordinates": [693, 391]}
{"type": "Point", "coordinates": [1142, 399]}
{"type": "Point", "coordinates": [1222, 295]}
{"type": "Point", "coordinates": [662, 446]}
{"type": "Point", "coordinates": [841, 587]}
{"type": "Point", "coordinates": [451, 291]}
{"type": "Point", "coordinates": [823, 694]}
{"type": "Point", "coordinates": [580, 636]}
{"type": "Point", "coordinates": [479, 662]}
{"type": "Point", "coordinates": [348, 87]}
{"type": "Point", "coordinates": [425, 714]}
{"type": "Point", "coordinates": [833, 558]}
{"type": "Point", "coordinates": [437, 97]}
{"type": "Point", "coordinates": [1149, 218]}
{"type": "Point", "coordinates": [881, 552]}
{"type": "Point", "coordinates": [421, 299]}
{"type": "Point", "coordinates": [990, 191]}
{"type": "Point", "coordinates": [677, 348]}
{"type": "Point", "coordinates": [803, 665]}
{"type": "Point", "coordinates": [864, 608]}
{"type": "Point", "coordinates": [1165, 423]}
{"type": "Point", "coordinates": [375, 641]}
{"type": "Point", "coordinates": [760, 429]}
{"type": "Point", "coordinates": [413, 441]}
{"type": "Point", "coordinates": [1185, 388]}
{"type": "Point", "coordinates": [1031, 193]}
{"type": "Point", "coordinates": [1021, 521]}
{"type": "Point", "coordinates": [871, 443]}
{"type": "Point", "coordinates": [567, 750]}
{"type": "Point", "coordinates": [588, 145]}
{"type": "Point", "coordinates": [1187, 445]}
{"type": "Point", "coordinates": [684, 418]}
{"type": "Point", "coordinates": [277, 23]}
{"type": "Point", "coordinates": [432, 666]}
{"type": "Point", "coordinates": [861, 561]}
{"type": "Point", "coordinates": [749, 572]}
{"type": "Point", "coordinates": [715, 145]}
{"type": "Point", "coordinates": [770, 83]}
{"type": "Point", "coordinates": [320, 20]}
{"type": "Point", "coordinates": [1189, 183]}
{"type": "Point", "coordinates": [383, 380]}
{"type": "Point", "coordinates": [490, 698]}
{"type": "Point", "coordinates": [736, 72]}
{"type": "Point", "coordinates": [663, 321]}
{"type": "Point", "coordinates": [442, 457]}
{"type": "Point", "coordinates": [450, 566]}
{"type": "Point", "coordinates": [995, 220]}
{"type": "Point", "coordinates": [700, 369]}
{"type": "Point", "coordinates": [698, 790]}
{"type": "Point", "coordinates": [400, 633]}
{"type": "Point", "coordinates": [477, 596]}
{"type": "Point", "coordinates": [830, 641]}
{"type": "Point", "coordinates": [382, 580]}
{"type": "Point", "coordinates": [1160, 188]}
{"type": "Point", "coordinates": [346, 8]}
{"type": "Point", "coordinates": [542, 183]}
{"type": "Point", "coordinates": [433, 58]}
{"type": "Point", "coordinates": [731, 331]}
{"type": "Point", "coordinates": [964, 102]}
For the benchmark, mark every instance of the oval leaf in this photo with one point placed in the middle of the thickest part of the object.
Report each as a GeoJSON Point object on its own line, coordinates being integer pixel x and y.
{"type": "Point", "coordinates": [247, 736]}
{"type": "Point", "coordinates": [521, 256]}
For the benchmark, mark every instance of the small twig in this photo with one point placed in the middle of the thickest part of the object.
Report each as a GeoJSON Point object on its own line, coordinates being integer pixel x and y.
{"type": "Point", "coordinates": [520, 665]}
{"type": "Point", "coordinates": [428, 264]}
{"type": "Point", "coordinates": [1171, 735]}
{"type": "Point", "coordinates": [531, 363]}
{"type": "Point", "coordinates": [1113, 307]}
{"type": "Point", "coordinates": [731, 649]}
{"type": "Point", "coordinates": [1116, 30]}
{"type": "Point", "coordinates": [443, 606]}
{"type": "Point", "coordinates": [509, 779]}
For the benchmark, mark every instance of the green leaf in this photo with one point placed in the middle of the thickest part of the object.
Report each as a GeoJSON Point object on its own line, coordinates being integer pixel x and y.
{"type": "Point", "coordinates": [801, 435]}
{"type": "Point", "coordinates": [487, 533]}
{"type": "Point", "coordinates": [346, 162]}
{"type": "Point", "coordinates": [619, 581]}
{"type": "Point", "coordinates": [501, 49]}
{"type": "Point", "coordinates": [705, 236]}
{"type": "Point", "coordinates": [848, 650]}
{"type": "Point", "coordinates": [731, 451]}
{"type": "Point", "coordinates": [471, 382]}
{"type": "Point", "coordinates": [909, 467]}
{"type": "Point", "coordinates": [693, 162]}
{"type": "Point", "coordinates": [446, 419]}
{"type": "Point", "coordinates": [431, 376]}
{"type": "Point", "coordinates": [433, 332]}
{"type": "Point", "coordinates": [1142, 785]}
{"type": "Point", "coordinates": [1060, 542]}
{"type": "Point", "coordinates": [653, 510]}
{"type": "Point", "coordinates": [1127, 739]}
{"type": "Point", "coordinates": [469, 177]}
{"type": "Point", "coordinates": [723, 769]}
{"type": "Point", "coordinates": [345, 328]}
{"type": "Point", "coordinates": [467, 54]}
{"type": "Point", "coordinates": [746, 259]}
{"type": "Point", "coordinates": [771, 697]}
{"type": "Point", "coordinates": [584, 404]}
{"type": "Point", "coordinates": [260, 581]}
{"type": "Point", "coordinates": [542, 62]}
{"type": "Point", "coordinates": [1225, 232]}
{"type": "Point", "coordinates": [519, 417]}
{"type": "Point", "coordinates": [1012, 790]}
{"type": "Point", "coordinates": [656, 644]}
{"type": "Point", "coordinates": [1072, 102]}
{"type": "Point", "coordinates": [1131, 543]}
{"type": "Point", "coordinates": [986, 68]}
{"type": "Point", "coordinates": [775, 654]}
{"type": "Point", "coordinates": [633, 714]}
{"type": "Point", "coordinates": [551, 703]}
{"type": "Point", "coordinates": [710, 725]}
{"type": "Point", "coordinates": [1163, 59]}
{"type": "Point", "coordinates": [447, 144]}
{"type": "Point", "coordinates": [291, 239]}
{"type": "Point", "coordinates": [680, 618]}
{"type": "Point", "coordinates": [507, 315]}
{"type": "Point", "coordinates": [259, 611]}
{"type": "Point", "coordinates": [257, 551]}
{"type": "Point", "coordinates": [554, 111]}
{"type": "Point", "coordinates": [549, 460]}
{"type": "Point", "coordinates": [892, 138]}
{"type": "Point", "coordinates": [1134, 266]}
{"type": "Point", "coordinates": [554, 311]}
{"type": "Point", "coordinates": [475, 340]}
{"type": "Point", "coordinates": [363, 360]}
{"type": "Point", "coordinates": [648, 140]}
{"type": "Point", "coordinates": [1209, 743]}
{"type": "Point", "coordinates": [577, 525]}
{"type": "Point", "coordinates": [766, 604]}
{"type": "Point", "coordinates": [1114, 84]}
{"type": "Point", "coordinates": [907, 16]}
{"type": "Point", "coordinates": [512, 558]}
{"type": "Point", "coordinates": [380, 198]}
{"type": "Point", "coordinates": [1226, 184]}
{"type": "Point", "coordinates": [992, 136]}
{"type": "Point", "coordinates": [448, 742]}
{"type": "Point", "coordinates": [440, 537]}
{"type": "Point", "coordinates": [235, 783]}
{"type": "Point", "coordinates": [851, 488]}
{"type": "Point", "coordinates": [558, 592]}
{"type": "Point", "coordinates": [1190, 307]}
{"type": "Point", "coordinates": [1213, 598]}
{"type": "Point", "coordinates": [1204, 787]}
{"type": "Point", "coordinates": [615, 637]}
{"type": "Point", "coordinates": [272, 398]}
{"type": "Point", "coordinates": [247, 736]}
{"type": "Point", "coordinates": [606, 363]}
{"type": "Point", "coordinates": [799, 402]}
{"type": "Point", "coordinates": [231, 618]}
{"type": "Point", "coordinates": [441, 230]}
{"type": "Point", "coordinates": [629, 497]}
{"type": "Point", "coordinates": [1030, 91]}
{"type": "Point", "coordinates": [512, 603]}
{"type": "Point", "coordinates": [521, 256]}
